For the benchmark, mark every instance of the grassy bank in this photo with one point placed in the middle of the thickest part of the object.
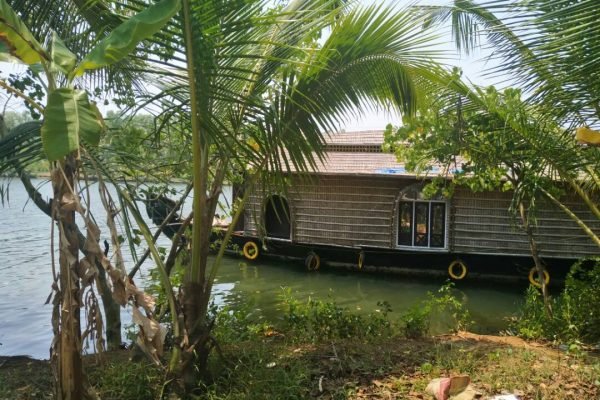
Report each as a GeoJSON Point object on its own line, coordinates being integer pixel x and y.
{"type": "Point", "coordinates": [274, 367]}
{"type": "Point", "coordinates": [320, 350]}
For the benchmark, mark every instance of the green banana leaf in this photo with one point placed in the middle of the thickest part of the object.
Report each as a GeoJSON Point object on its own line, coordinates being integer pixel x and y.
{"type": "Point", "coordinates": [123, 40]}
{"type": "Point", "coordinates": [69, 117]}
{"type": "Point", "coordinates": [61, 56]}
{"type": "Point", "coordinates": [16, 42]}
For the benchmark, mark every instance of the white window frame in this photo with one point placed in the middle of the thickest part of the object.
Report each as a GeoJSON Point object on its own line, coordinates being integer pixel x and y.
{"type": "Point", "coordinates": [412, 225]}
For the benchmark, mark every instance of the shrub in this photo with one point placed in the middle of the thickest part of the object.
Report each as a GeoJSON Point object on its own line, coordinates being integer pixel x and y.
{"type": "Point", "coordinates": [238, 323]}
{"type": "Point", "coordinates": [581, 299]}
{"type": "Point", "coordinates": [315, 320]}
{"type": "Point", "coordinates": [532, 321]}
{"type": "Point", "coordinates": [443, 306]}
{"type": "Point", "coordinates": [576, 314]}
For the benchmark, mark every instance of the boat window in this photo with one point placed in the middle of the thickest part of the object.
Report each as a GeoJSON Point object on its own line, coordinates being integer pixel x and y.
{"type": "Point", "coordinates": [277, 218]}
{"type": "Point", "coordinates": [422, 224]}
{"type": "Point", "coordinates": [438, 224]}
{"type": "Point", "coordinates": [405, 228]}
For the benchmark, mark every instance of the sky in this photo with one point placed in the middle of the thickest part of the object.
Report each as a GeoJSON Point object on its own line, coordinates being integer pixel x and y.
{"type": "Point", "coordinates": [472, 67]}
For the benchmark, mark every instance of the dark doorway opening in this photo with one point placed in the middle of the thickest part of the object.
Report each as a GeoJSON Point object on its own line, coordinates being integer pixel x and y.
{"type": "Point", "coordinates": [277, 218]}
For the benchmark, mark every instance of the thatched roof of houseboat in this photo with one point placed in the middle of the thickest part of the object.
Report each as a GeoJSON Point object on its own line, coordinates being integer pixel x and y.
{"type": "Point", "coordinates": [360, 154]}
{"type": "Point", "coordinates": [361, 138]}
{"type": "Point", "coordinates": [358, 163]}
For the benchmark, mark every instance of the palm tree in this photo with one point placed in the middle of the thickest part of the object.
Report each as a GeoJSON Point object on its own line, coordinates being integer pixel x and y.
{"type": "Point", "coordinates": [546, 46]}
{"type": "Point", "coordinates": [69, 121]}
{"type": "Point", "coordinates": [259, 87]}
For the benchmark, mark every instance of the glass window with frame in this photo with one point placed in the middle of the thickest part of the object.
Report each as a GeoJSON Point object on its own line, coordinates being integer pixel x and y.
{"type": "Point", "coordinates": [405, 224]}
{"type": "Point", "coordinates": [422, 224]}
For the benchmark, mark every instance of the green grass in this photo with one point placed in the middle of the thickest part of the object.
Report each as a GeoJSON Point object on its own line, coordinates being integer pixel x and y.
{"type": "Point", "coordinates": [276, 367]}
{"type": "Point", "coordinates": [320, 350]}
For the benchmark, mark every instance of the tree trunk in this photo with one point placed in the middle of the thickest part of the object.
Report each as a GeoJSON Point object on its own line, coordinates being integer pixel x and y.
{"type": "Point", "coordinates": [195, 356]}
{"type": "Point", "coordinates": [112, 310]}
{"type": "Point", "coordinates": [66, 352]}
{"type": "Point", "coordinates": [535, 253]}
{"type": "Point", "coordinates": [196, 296]}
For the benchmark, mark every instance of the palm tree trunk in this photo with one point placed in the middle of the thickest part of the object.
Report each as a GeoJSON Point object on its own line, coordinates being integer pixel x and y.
{"type": "Point", "coordinates": [195, 290]}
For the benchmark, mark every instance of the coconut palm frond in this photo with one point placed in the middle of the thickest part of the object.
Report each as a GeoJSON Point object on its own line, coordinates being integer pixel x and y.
{"type": "Point", "coordinates": [21, 147]}
{"type": "Point", "coordinates": [548, 47]}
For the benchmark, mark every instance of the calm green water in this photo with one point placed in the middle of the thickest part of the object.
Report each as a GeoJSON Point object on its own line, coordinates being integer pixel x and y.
{"type": "Point", "coordinates": [261, 285]}
{"type": "Point", "coordinates": [26, 277]}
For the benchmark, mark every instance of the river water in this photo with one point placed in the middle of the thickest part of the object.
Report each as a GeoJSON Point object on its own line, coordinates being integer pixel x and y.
{"type": "Point", "coordinates": [25, 278]}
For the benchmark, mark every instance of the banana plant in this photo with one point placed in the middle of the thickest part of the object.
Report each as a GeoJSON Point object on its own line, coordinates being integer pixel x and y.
{"type": "Point", "coordinates": [70, 121]}
{"type": "Point", "coordinates": [70, 117]}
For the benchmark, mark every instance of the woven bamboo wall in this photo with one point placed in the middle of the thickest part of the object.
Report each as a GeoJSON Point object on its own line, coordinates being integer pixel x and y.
{"type": "Point", "coordinates": [361, 211]}
{"type": "Point", "coordinates": [482, 224]}
{"type": "Point", "coordinates": [344, 211]}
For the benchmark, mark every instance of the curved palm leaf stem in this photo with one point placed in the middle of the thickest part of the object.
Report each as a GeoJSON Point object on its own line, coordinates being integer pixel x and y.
{"type": "Point", "coordinates": [584, 196]}
{"type": "Point", "coordinates": [573, 216]}
{"type": "Point", "coordinates": [159, 230]}
{"type": "Point", "coordinates": [594, 175]}
{"type": "Point", "coordinates": [173, 252]}
{"type": "Point", "coordinates": [163, 276]}
{"type": "Point", "coordinates": [170, 260]}
{"type": "Point", "coordinates": [217, 263]}
{"type": "Point", "coordinates": [22, 95]}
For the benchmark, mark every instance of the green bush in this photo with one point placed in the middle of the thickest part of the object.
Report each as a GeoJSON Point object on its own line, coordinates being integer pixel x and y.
{"type": "Point", "coordinates": [316, 320]}
{"type": "Point", "coordinates": [532, 321]}
{"type": "Point", "coordinates": [575, 311]}
{"type": "Point", "coordinates": [442, 306]}
{"type": "Point", "coordinates": [581, 299]}
{"type": "Point", "coordinates": [416, 322]}
{"type": "Point", "coordinates": [238, 323]}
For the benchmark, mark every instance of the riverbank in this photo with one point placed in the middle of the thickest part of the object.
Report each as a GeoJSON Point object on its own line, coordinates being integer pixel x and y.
{"type": "Point", "coordinates": [272, 367]}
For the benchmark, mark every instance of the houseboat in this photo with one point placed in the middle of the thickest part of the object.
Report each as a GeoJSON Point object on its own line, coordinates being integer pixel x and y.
{"type": "Point", "coordinates": [360, 207]}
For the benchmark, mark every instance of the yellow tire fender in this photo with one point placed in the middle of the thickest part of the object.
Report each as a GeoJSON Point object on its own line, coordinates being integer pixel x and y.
{"type": "Point", "coordinates": [361, 259]}
{"type": "Point", "coordinates": [463, 270]}
{"type": "Point", "coordinates": [312, 261]}
{"type": "Point", "coordinates": [533, 277]}
{"type": "Point", "coordinates": [251, 251]}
